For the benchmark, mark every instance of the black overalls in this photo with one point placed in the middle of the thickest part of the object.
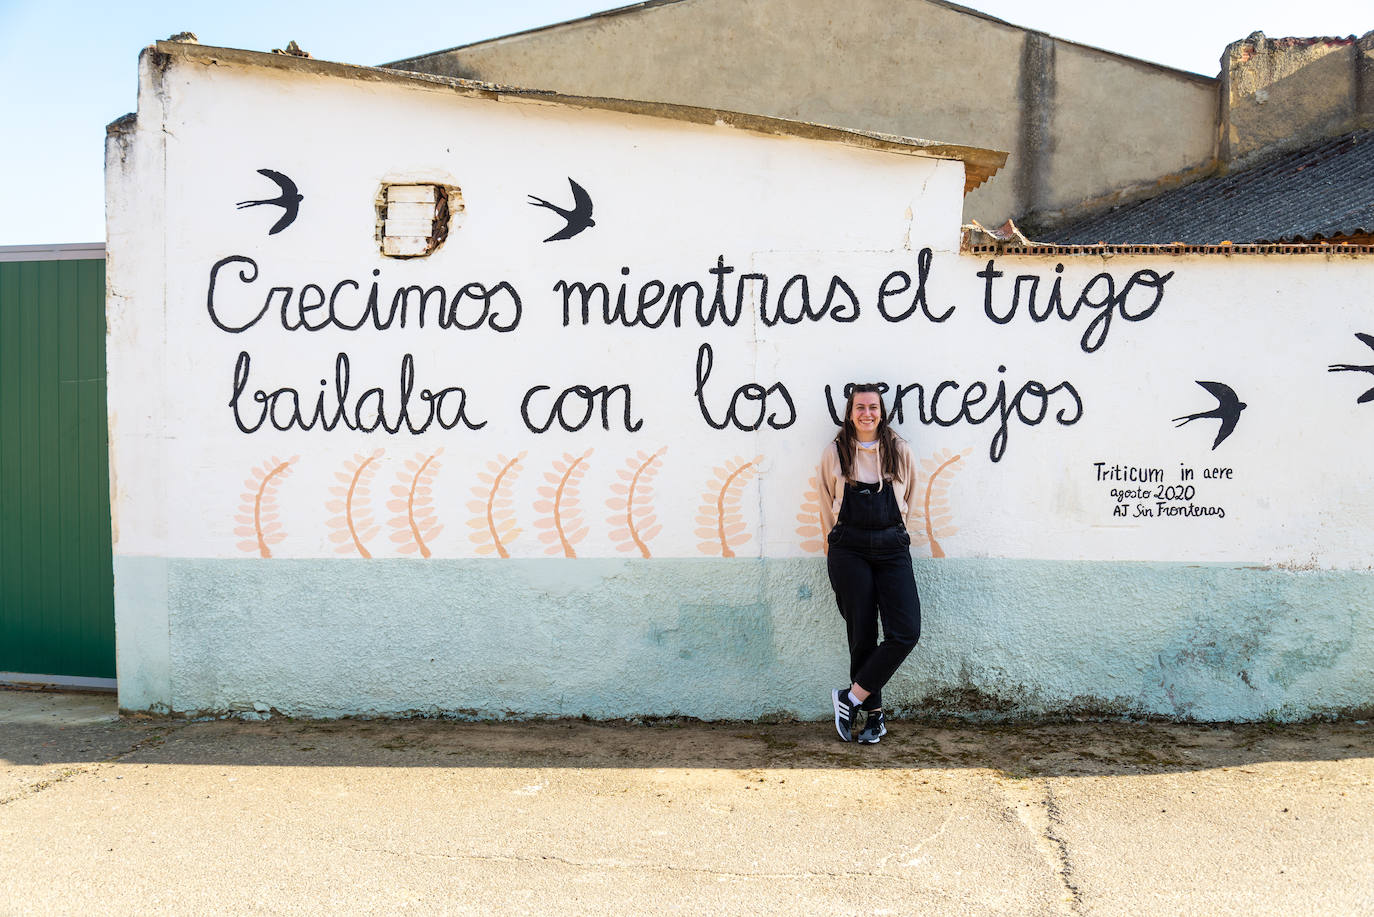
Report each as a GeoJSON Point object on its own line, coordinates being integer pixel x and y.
{"type": "Point", "coordinates": [869, 562]}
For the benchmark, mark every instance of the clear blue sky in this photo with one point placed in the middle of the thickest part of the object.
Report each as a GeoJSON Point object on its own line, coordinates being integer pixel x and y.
{"type": "Point", "coordinates": [69, 68]}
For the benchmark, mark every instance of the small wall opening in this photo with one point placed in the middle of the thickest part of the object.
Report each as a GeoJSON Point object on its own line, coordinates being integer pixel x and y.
{"type": "Point", "coordinates": [414, 219]}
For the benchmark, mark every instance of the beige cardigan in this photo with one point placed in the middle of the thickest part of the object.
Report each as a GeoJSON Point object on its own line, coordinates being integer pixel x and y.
{"type": "Point", "coordinates": [832, 486]}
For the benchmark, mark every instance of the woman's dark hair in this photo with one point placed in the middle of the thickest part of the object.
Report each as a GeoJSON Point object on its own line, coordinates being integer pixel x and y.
{"type": "Point", "coordinates": [847, 440]}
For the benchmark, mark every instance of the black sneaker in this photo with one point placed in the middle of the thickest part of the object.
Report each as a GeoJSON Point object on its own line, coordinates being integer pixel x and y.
{"type": "Point", "coordinates": [844, 713]}
{"type": "Point", "coordinates": [874, 728]}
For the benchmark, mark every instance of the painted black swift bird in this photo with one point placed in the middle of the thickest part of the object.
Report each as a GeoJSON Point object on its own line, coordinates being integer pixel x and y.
{"type": "Point", "coordinates": [579, 217]}
{"type": "Point", "coordinates": [1227, 410]}
{"type": "Point", "coordinates": [1353, 368]}
{"type": "Point", "coordinates": [289, 200]}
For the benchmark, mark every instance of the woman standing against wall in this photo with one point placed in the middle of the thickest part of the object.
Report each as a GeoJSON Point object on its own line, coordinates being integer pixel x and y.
{"type": "Point", "coordinates": [866, 476]}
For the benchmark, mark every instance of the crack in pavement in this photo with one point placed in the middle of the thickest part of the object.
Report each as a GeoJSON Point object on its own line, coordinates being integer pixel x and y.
{"type": "Point", "coordinates": [42, 785]}
{"type": "Point", "coordinates": [65, 775]}
{"type": "Point", "coordinates": [916, 847]}
{"type": "Point", "coordinates": [643, 867]}
{"type": "Point", "coordinates": [1041, 816]}
{"type": "Point", "coordinates": [1065, 869]}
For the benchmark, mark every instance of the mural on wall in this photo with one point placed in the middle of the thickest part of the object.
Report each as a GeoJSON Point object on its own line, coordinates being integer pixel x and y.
{"type": "Point", "coordinates": [635, 418]}
{"type": "Point", "coordinates": [289, 200]}
{"type": "Point", "coordinates": [415, 403]}
{"type": "Point", "coordinates": [633, 521]}
{"type": "Point", "coordinates": [810, 530]}
{"type": "Point", "coordinates": [934, 476]}
{"type": "Point", "coordinates": [720, 520]}
{"type": "Point", "coordinates": [259, 524]}
{"type": "Point", "coordinates": [560, 506]}
{"type": "Point", "coordinates": [493, 508]}
{"type": "Point", "coordinates": [349, 501]}
{"type": "Point", "coordinates": [576, 219]}
{"type": "Point", "coordinates": [1368, 341]}
{"type": "Point", "coordinates": [406, 353]}
{"type": "Point", "coordinates": [1227, 410]}
{"type": "Point", "coordinates": [415, 525]}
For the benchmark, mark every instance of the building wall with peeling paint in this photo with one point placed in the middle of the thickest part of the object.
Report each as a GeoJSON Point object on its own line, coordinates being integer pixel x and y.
{"type": "Point", "coordinates": [653, 548]}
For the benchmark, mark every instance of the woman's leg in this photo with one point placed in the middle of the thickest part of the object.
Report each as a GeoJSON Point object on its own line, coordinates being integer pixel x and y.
{"type": "Point", "coordinates": [851, 576]}
{"type": "Point", "coordinates": [894, 586]}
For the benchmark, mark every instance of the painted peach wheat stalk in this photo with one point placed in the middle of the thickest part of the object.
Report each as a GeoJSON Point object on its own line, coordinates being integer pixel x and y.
{"type": "Point", "coordinates": [564, 519]}
{"type": "Point", "coordinates": [495, 520]}
{"type": "Point", "coordinates": [352, 524]}
{"type": "Point", "coordinates": [810, 518]}
{"type": "Point", "coordinates": [257, 515]}
{"type": "Point", "coordinates": [933, 480]}
{"type": "Point", "coordinates": [720, 518]}
{"type": "Point", "coordinates": [632, 507]}
{"type": "Point", "coordinates": [415, 524]}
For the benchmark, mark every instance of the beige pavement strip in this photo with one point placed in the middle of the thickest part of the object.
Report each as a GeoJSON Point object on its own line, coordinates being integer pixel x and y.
{"type": "Point", "coordinates": [568, 818]}
{"type": "Point", "coordinates": [1279, 837]}
{"type": "Point", "coordinates": [801, 840]}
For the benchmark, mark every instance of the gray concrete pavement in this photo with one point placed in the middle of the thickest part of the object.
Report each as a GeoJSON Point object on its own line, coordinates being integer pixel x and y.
{"type": "Point", "coordinates": [138, 815]}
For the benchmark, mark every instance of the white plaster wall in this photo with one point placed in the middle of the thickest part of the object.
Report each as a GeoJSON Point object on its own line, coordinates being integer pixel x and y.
{"type": "Point", "coordinates": [191, 488]}
{"type": "Point", "coordinates": [670, 199]}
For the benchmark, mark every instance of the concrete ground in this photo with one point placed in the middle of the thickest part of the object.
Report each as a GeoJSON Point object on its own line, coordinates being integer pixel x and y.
{"type": "Point", "coordinates": [105, 815]}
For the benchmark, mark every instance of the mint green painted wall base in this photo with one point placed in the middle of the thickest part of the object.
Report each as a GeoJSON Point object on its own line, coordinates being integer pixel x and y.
{"type": "Point", "coordinates": [734, 639]}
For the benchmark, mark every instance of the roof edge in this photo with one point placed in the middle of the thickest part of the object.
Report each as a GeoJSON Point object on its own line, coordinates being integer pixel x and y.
{"type": "Point", "coordinates": [56, 251]}
{"type": "Point", "coordinates": [1125, 58]}
{"type": "Point", "coordinates": [600, 14]}
{"type": "Point", "coordinates": [1102, 249]}
{"type": "Point", "coordinates": [979, 164]}
{"type": "Point", "coordinates": [947, 4]}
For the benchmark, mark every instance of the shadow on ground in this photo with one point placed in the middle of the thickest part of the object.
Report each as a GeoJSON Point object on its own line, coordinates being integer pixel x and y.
{"type": "Point", "coordinates": [49, 729]}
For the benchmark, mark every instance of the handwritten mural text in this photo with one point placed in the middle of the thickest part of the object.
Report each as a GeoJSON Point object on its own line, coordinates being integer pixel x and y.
{"type": "Point", "coordinates": [1150, 494]}
{"type": "Point", "coordinates": [238, 299]}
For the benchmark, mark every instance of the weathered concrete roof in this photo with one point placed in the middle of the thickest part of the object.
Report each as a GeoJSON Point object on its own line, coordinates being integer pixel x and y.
{"type": "Point", "coordinates": [633, 8]}
{"type": "Point", "coordinates": [979, 164]}
{"type": "Point", "coordinates": [1319, 192]}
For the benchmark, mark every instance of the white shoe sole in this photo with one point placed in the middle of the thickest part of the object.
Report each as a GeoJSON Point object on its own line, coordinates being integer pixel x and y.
{"type": "Point", "coordinates": [835, 701]}
{"type": "Point", "coordinates": [873, 741]}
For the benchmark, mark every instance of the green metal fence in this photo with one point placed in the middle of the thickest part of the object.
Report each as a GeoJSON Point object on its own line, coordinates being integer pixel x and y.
{"type": "Point", "coordinates": [56, 582]}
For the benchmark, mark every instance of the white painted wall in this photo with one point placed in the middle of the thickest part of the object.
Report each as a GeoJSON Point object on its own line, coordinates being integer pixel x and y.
{"type": "Point", "coordinates": [670, 199]}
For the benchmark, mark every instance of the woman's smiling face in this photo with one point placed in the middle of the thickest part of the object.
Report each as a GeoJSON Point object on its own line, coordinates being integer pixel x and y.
{"type": "Point", "coordinates": [866, 414]}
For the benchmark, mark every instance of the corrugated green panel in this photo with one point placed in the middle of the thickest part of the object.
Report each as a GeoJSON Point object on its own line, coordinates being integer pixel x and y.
{"type": "Point", "coordinates": [56, 581]}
